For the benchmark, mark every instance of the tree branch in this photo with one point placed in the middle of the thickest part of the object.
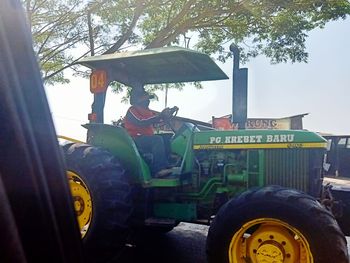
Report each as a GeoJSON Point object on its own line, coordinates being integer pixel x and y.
{"type": "Point", "coordinates": [191, 23]}
{"type": "Point", "coordinates": [44, 42]}
{"type": "Point", "coordinates": [176, 20]}
{"type": "Point", "coordinates": [58, 50]}
{"type": "Point", "coordinates": [68, 65]}
{"type": "Point", "coordinates": [138, 12]}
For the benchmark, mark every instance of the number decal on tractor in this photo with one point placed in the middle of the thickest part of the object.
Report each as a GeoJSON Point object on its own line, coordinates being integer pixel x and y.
{"type": "Point", "coordinates": [98, 81]}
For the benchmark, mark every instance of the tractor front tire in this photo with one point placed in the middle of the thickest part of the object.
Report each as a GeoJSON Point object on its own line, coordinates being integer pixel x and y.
{"type": "Point", "coordinates": [275, 224]}
{"type": "Point", "coordinates": [102, 199]}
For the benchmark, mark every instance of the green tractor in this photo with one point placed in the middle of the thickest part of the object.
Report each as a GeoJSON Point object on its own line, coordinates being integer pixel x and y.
{"type": "Point", "coordinates": [260, 191]}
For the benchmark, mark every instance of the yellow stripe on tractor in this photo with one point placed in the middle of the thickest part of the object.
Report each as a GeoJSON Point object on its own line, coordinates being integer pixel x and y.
{"type": "Point", "coordinates": [69, 139]}
{"type": "Point", "coordinates": [260, 146]}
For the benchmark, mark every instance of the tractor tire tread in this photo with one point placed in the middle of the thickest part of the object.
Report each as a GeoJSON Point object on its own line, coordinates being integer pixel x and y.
{"type": "Point", "coordinates": [111, 197]}
{"type": "Point", "coordinates": [308, 206]}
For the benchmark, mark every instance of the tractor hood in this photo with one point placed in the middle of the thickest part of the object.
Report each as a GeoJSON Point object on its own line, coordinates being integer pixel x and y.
{"type": "Point", "coordinates": [257, 139]}
{"type": "Point", "coordinates": [156, 66]}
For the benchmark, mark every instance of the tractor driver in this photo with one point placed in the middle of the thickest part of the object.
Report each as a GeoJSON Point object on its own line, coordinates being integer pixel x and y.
{"type": "Point", "coordinates": [139, 121]}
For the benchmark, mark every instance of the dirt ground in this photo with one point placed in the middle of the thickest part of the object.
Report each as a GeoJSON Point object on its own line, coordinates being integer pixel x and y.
{"type": "Point", "coordinates": [186, 243]}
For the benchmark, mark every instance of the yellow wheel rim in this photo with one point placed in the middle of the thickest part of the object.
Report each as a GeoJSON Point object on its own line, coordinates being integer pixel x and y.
{"type": "Point", "coordinates": [82, 201]}
{"type": "Point", "coordinates": [267, 240]}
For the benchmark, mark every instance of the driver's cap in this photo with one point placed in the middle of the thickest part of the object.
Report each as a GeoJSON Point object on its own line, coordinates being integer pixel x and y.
{"type": "Point", "coordinates": [138, 95]}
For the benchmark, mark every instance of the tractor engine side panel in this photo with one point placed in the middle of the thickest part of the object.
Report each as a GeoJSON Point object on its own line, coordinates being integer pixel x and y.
{"type": "Point", "coordinates": [237, 168]}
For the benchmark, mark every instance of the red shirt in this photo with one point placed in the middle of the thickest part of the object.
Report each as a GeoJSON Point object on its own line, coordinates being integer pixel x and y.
{"type": "Point", "coordinates": [140, 114]}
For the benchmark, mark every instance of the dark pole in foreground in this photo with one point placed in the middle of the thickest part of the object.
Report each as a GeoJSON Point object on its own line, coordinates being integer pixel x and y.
{"type": "Point", "coordinates": [239, 90]}
{"type": "Point", "coordinates": [37, 219]}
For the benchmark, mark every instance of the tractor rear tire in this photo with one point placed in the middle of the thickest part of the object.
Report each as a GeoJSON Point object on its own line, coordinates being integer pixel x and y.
{"type": "Point", "coordinates": [102, 196]}
{"type": "Point", "coordinates": [275, 223]}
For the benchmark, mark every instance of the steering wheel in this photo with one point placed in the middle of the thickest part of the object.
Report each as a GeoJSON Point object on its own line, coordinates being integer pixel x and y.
{"type": "Point", "coordinates": [168, 114]}
{"type": "Point", "coordinates": [173, 111]}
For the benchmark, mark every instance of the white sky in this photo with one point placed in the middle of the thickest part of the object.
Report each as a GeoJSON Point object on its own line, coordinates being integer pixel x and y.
{"type": "Point", "coordinates": [321, 87]}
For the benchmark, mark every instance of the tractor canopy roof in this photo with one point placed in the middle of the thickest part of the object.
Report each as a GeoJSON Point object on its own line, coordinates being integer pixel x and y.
{"type": "Point", "coordinates": [156, 66]}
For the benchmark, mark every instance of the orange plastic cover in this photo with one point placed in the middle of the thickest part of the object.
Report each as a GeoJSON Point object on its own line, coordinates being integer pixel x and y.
{"type": "Point", "coordinates": [98, 81]}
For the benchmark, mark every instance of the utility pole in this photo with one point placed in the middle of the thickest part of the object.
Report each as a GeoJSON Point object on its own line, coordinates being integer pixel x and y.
{"type": "Point", "coordinates": [166, 96]}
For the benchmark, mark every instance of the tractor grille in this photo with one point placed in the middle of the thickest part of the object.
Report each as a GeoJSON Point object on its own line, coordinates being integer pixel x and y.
{"type": "Point", "coordinates": [287, 167]}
